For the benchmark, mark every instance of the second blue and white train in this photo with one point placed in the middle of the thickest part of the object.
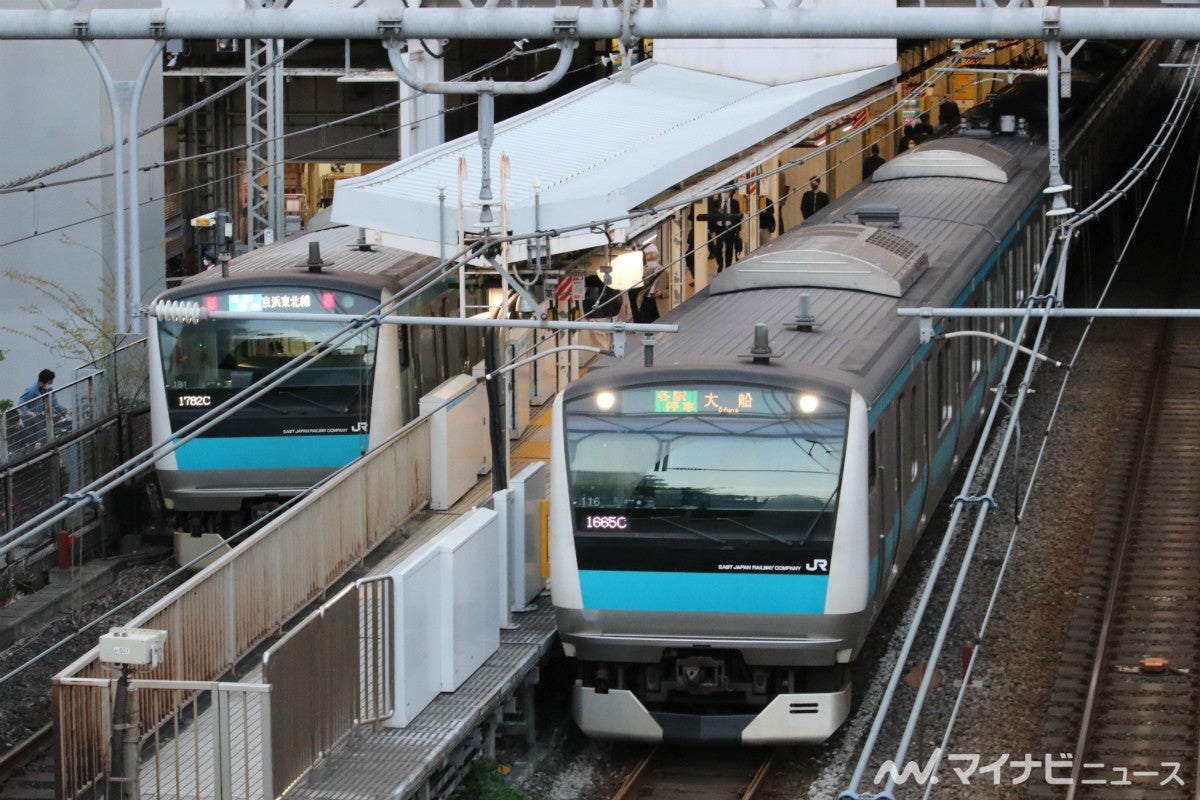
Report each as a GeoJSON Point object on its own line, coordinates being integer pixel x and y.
{"type": "Point", "coordinates": [726, 524]}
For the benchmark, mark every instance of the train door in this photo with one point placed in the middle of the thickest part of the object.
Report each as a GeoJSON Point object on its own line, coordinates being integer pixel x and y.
{"type": "Point", "coordinates": [975, 351]}
{"type": "Point", "coordinates": [424, 355]}
{"type": "Point", "coordinates": [876, 516]}
{"type": "Point", "coordinates": [409, 395]}
{"type": "Point", "coordinates": [884, 493]}
{"type": "Point", "coordinates": [911, 471]}
{"type": "Point", "coordinates": [940, 421]}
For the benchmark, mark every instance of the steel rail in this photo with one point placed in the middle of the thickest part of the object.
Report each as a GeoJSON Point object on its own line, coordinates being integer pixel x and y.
{"type": "Point", "coordinates": [12, 762]}
{"type": "Point", "coordinates": [1132, 505]}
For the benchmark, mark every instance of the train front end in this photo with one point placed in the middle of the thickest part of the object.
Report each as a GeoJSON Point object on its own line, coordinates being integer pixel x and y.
{"type": "Point", "coordinates": [709, 554]}
{"type": "Point", "coordinates": [285, 440]}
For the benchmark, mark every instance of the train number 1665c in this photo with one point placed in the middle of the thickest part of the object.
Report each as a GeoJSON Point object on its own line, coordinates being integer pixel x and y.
{"type": "Point", "coordinates": [606, 521]}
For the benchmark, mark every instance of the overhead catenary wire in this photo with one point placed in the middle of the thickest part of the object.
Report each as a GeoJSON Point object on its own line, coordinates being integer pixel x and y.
{"type": "Point", "coordinates": [1188, 95]}
{"type": "Point", "coordinates": [1058, 247]}
{"type": "Point", "coordinates": [33, 182]}
{"type": "Point", "coordinates": [157, 165]}
{"type": "Point", "coordinates": [143, 461]}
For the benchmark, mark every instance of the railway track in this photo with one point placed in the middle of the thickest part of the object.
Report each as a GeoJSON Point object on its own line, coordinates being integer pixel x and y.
{"type": "Point", "coordinates": [1129, 682]}
{"type": "Point", "coordinates": [695, 774]}
{"type": "Point", "coordinates": [27, 770]}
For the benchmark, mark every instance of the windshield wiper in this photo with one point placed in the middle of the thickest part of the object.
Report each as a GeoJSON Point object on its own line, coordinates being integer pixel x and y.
{"type": "Point", "coordinates": [819, 514]}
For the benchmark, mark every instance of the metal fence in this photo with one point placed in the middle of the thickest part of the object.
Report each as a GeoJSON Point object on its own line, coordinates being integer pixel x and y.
{"type": "Point", "coordinates": [68, 437]}
{"type": "Point", "coordinates": [224, 611]}
{"type": "Point", "coordinates": [40, 478]}
{"type": "Point", "coordinates": [49, 418]}
{"type": "Point", "coordinates": [186, 754]}
{"type": "Point", "coordinates": [332, 672]}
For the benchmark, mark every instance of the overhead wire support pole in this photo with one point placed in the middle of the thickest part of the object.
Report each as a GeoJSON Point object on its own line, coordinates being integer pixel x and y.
{"type": "Point", "coordinates": [1054, 83]}
{"type": "Point", "coordinates": [119, 239]}
{"type": "Point", "coordinates": [564, 32]}
{"type": "Point", "coordinates": [135, 230]}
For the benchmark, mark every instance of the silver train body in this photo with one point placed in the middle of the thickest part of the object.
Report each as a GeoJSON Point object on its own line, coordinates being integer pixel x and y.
{"type": "Point", "coordinates": [326, 415]}
{"type": "Point", "coordinates": [725, 528]}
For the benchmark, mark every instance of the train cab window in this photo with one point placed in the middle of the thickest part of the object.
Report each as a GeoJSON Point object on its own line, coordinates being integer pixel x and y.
{"type": "Point", "coordinates": [709, 463]}
{"type": "Point", "coordinates": [224, 356]}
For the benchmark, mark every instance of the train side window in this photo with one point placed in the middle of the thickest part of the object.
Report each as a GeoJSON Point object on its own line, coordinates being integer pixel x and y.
{"type": "Point", "coordinates": [974, 353]}
{"type": "Point", "coordinates": [989, 301]}
{"type": "Point", "coordinates": [1020, 283]}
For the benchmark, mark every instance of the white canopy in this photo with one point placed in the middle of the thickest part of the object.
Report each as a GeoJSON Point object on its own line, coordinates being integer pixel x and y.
{"type": "Point", "coordinates": [596, 153]}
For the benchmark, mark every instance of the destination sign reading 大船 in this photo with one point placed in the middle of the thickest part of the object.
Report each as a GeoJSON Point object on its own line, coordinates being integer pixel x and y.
{"type": "Point", "coordinates": [713, 400]}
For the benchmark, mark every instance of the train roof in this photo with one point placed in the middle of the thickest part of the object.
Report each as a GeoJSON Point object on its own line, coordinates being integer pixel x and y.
{"type": "Point", "coordinates": [939, 227]}
{"type": "Point", "coordinates": [345, 262]}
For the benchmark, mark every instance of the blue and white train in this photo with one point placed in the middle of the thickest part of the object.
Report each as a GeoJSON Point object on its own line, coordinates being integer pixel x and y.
{"type": "Point", "coordinates": [324, 416]}
{"type": "Point", "coordinates": [726, 524]}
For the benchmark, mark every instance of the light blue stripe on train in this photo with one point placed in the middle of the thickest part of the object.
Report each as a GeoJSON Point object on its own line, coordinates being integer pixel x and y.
{"type": "Point", "coordinates": [270, 452]}
{"type": "Point", "coordinates": [739, 593]}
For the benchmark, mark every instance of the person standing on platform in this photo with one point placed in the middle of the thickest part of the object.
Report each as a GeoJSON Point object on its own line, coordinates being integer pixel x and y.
{"type": "Point", "coordinates": [872, 163]}
{"type": "Point", "coordinates": [814, 199]}
{"type": "Point", "coordinates": [645, 307]}
{"type": "Point", "coordinates": [725, 217]}
{"type": "Point", "coordinates": [922, 131]}
{"type": "Point", "coordinates": [948, 114]}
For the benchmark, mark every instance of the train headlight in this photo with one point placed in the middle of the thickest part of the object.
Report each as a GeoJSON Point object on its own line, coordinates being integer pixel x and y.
{"type": "Point", "coordinates": [605, 400]}
{"type": "Point", "coordinates": [807, 403]}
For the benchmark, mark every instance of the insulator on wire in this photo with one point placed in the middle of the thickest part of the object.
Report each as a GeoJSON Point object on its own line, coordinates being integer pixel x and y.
{"type": "Point", "coordinates": [177, 311]}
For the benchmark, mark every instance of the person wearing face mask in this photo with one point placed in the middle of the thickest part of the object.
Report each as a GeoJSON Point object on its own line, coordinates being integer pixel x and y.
{"type": "Point", "coordinates": [814, 199]}
{"type": "Point", "coordinates": [645, 307]}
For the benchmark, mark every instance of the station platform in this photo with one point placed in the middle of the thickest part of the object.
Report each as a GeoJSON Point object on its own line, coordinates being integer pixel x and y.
{"type": "Point", "coordinates": [428, 756]}
{"type": "Point", "coordinates": [378, 762]}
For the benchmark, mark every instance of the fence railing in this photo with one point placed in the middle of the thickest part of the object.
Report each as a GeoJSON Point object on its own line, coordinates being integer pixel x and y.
{"type": "Point", "coordinates": [50, 417]}
{"type": "Point", "coordinates": [232, 605]}
{"type": "Point", "coordinates": [329, 674]}
{"type": "Point", "coordinates": [188, 753]}
{"type": "Point", "coordinates": [39, 479]}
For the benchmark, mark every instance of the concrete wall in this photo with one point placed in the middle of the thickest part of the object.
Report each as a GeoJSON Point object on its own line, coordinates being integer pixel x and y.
{"type": "Point", "coordinates": [56, 109]}
{"type": "Point", "coordinates": [777, 61]}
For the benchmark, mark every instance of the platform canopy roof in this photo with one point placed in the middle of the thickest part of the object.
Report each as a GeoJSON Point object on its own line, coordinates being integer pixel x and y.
{"type": "Point", "coordinates": [601, 152]}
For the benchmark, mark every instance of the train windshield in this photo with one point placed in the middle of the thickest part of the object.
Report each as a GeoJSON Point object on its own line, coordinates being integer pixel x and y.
{"type": "Point", "coordinates": [215, 359]}
{"type": "Point", "coordinates": [718, 462]}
